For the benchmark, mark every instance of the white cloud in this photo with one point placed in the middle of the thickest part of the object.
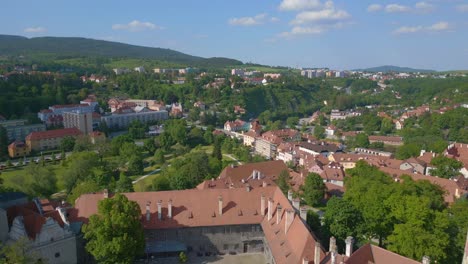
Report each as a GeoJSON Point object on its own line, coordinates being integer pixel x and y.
{"type": "Point", "coordinates": [394, 8]}
{"type": "Point", "coordinates": [248, 21]}
{"type": "Point", "coordinates": [437, 27]}
{"type": "Point", "coordinates": [274, 19]}
{"type": "Point", "coordinates": [441, 26]}
{"type": "Point", "coordinates": [406, 29]}
{"type": "Point", "coordinates": [35, 30]}
{"type": "Point", "coordinates": [297, 5]}
{"type": "Point", "coordinates": [374, 8]}
{"type": "Point", "coordinates": [329, 14]}
{"type": "Point", "coordinates": [136, 25]}
{"type": "Point", "coordinates": [462, 8]}
{"type": "Point", "coordinates": [424, 7]}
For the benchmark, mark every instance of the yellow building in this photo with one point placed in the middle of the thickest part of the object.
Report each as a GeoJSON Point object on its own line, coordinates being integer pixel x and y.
{"type": "Point", "coordinates": [18, 149]}
{"type": "Point", "coordinates": [50, 139]}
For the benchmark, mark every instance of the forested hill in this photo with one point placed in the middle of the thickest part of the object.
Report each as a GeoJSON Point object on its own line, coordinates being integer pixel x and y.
{"type": "Point", "coordinates": [79, 47]}
{"type": "Point", "coordinates": [390, 68]}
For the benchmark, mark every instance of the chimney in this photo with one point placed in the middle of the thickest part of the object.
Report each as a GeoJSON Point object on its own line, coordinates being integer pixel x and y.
{"type": "Point", "coordinates": [148, 214]}
{"type": "Point", "coordinates": [303, 213]}
{"type": "Point", "coordinates": [305, 260]}
{"type": "Point", "coordinates": [296, 203]}
{"type": "Point", "coordinates": [289, 219]}
{"type": "Point", "coordinates": [349, 246]}
{"type": "Point", "coordinates": [290, 195]}
{"type": "Point", "coordinates": [169, 209]}
{"type": "Point", "coordinates": [106, 193]}
{"type": "Point", "coordinates": [270, 209]}
{"type": "Point", "coordinates": [279, 210]}
{"type": "Point", "coordinates": [426, 260]}
{"type": "Point", "coordinates": [333, 258]}
{"type": "Point", "coordinates": [332, 247]}
{"type": "Point", "coordinates": [317, 252]}
{"type": "Point", "coordinates": [264, 184]}
{"type": "Point", "coordinates": [220, 205]}
{"type": "Point", "coordinates": [262, 205]}
{"type": "Point", "coordinates": [247, 187]}
{"type": "Point", "coordinates": [160, 209]}
{"type": "Point", "coordinates": [457, 193]}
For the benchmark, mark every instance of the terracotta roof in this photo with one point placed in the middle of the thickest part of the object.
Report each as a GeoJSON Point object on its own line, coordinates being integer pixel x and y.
{"type": "Point", "coordinates": [377, 255]}
{"type": "Point", "coordinates": [239, 207]}
{"type": "Point", "coordinates": [38, 135]}
{"type": "Point", "coordinates": [386, 138]}
{"type": "Point", "coordinates": [458, 151]}
{"type": "Point", "coordinates": [320, 146]}
{"type": "Point", "coordinates": [17, 144]}
{"type": "Point", "coordinates": [427, 157]}
{"type": "Point", "coordinates": [268, 169]}
{"type": "Point", "coordinates": [45, 111]}
{"type": "Point", "coordinates": [32, 219]}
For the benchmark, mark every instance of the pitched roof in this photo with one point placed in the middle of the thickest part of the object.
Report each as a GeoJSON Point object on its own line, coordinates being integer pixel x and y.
{"type": "Point", "coordinates": [32, 219]}
{"type": "Point", "coordinates": [39, 135]}
{"type": "Point", "coordinates": [386, 138]}
{"type": "Point", "coordinates": [377, 255]}
{"type": "Point", "coordinates": [267, 169]}
{"type": "Point", "coordinates": [239, 207]}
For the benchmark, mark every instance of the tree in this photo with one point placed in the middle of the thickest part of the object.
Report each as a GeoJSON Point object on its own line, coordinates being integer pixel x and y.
{"type": "Point", "coordinates": [313, 190]}
{"type": "Point", "coordinates": [283, 181]}
{"type": "Point", "coordinates": [446, 167]}
{"type": "Point", "coordinates": [342, 219]}
{"type": "Point", "coordinates": [292, 121]}
{"type": "Point", "coordinates": [362, 140]}
{"type": "Point", "coordinates": [149, 145]}
{"type": "Point", "coordinates": [319, 132]}
{"type": "Point", "coordinates": [3, 143]}
{"type": "Point", "coordinates": [87, 186]}
{"type": "Point", "coordinates": [183, 257]}
{"type": "Point", "coordinates": [124, 184]}
{"type": "Point", "coordinates": [67, 143]}
{"type": "Point", "coordinates": [407, 151]}
{"type": "Point", "coordinates": [17, 252]}
{"type": "Point", "coordinates": [217, 148]}
{"type": "Point", "coordinates": [41, 181]}
{"type": "Point", "coordinates": [115, 233]}
{"type": "Point", "coordinates": [161, 183]}
{"type": "Point", "coordinates": [159, 156]}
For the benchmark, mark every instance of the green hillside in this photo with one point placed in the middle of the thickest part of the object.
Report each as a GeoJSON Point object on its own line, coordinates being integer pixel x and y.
{"type": "Point", "coordinates": [390, 68]}
{"type": "Point", "coordinates": [69, 47]}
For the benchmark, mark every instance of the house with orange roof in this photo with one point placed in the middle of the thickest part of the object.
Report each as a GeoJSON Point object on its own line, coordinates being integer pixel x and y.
{"type": "Point", "coordinates": [51, 139]}
{"type": "Point", "coordinates": [18, 149]}
{"type": "Point", "coordinates": [387, 140]}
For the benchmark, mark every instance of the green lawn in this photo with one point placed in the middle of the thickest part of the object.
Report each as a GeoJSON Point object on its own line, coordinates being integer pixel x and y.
{"type": "Point", "coordinates": [9, 175]}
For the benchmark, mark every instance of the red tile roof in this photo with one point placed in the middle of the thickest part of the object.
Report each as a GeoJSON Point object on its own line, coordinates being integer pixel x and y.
{"type": "Point", "coordinates": [194, 208]}
{"type": "Point", "coordinates": [268, 169]}
{"type": "Point", "coordinates": [374, 254]}
{"type": "Point", "coordinates": [386, 138]}
{"type": "Point", "coordinates": [32, 219]}
{"type": "Point", "coordinates": [70, 106]}
{"type": "Point", "coordinates": [58, 133]}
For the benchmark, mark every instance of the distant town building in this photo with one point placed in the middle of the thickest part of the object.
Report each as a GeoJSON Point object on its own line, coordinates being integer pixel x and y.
{"type": "Point", "coordinates": [119, 71]}
{"type": "Point", "coordinates": [124, 119]}
{"type": "Point", "coordinates": [18, 129]}
{"type": "Point", "coordinates": [140, 69]}
{"type": "Point", "coordinates": [80, 120]}
{"type": "Point", "coordinates": [18, 149]}
{"type": "Point", "coordinates": [51, 139]}
{"type": "Point", "coordinates": [238, 72]}
{"type": "Point", "coordinates": [55, 111]}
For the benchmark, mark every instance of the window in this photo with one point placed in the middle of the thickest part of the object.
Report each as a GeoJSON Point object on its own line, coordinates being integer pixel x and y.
{"type": "Point", "coordinates": [225, 246]}
{"type": "Point", "coordinates": [57, 255]}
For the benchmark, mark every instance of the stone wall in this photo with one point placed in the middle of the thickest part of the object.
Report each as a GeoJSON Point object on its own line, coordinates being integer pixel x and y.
{"type": "Point", "coordinates": [58, 252]}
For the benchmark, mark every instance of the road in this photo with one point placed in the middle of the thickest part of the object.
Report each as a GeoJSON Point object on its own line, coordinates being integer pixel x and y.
{"type": "Point", "coordinates": [144, 176]}
{"type": "Point", "coordinates": [233, 158]}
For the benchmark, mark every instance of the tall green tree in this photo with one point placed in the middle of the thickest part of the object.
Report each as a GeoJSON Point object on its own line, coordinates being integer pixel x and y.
{"type": "Point", "coordinates": [217, 148]}
{"type": "Point", "coordinates": [124, 184]}
{"type": "Point", "coordinates": [342, 219]}
{"type": "Point", "coordinates": [313, 190]}
{"type": "Point", "coordinates": [283, 181]}
{"type": "Point", "coordinates": [446, 167]}
{"type": "Point", "coordinates": [115, 233]}
{"type": "Point", "coordinates": [319, 132]}
{"type": "Point", "coordinates": [3, 143]}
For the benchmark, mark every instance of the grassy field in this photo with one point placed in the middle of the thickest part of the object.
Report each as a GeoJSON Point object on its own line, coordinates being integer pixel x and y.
{"type": "Point", "coordinates": [10, 176]}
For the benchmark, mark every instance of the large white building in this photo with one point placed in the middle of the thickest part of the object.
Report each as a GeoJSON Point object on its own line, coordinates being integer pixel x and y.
{"type": "Point", "coordinates": [123, 120]}
{"type": "Point", "coordinates": [81, 120]}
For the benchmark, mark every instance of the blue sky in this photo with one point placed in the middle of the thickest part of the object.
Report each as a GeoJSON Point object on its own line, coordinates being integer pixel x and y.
{"type": "Point", "coordinates": [338, 34]}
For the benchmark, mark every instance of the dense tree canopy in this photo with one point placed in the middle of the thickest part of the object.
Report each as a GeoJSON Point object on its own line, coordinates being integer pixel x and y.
{"type": "Point", "coordinates": [115, 234]}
